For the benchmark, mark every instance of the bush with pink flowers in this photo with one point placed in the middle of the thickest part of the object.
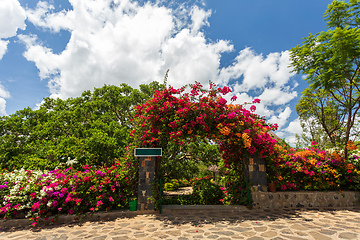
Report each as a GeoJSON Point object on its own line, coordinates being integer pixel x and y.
{"type": "Point", "coordinates": [41, 194]}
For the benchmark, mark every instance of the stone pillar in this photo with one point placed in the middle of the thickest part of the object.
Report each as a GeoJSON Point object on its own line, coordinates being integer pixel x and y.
{"type": "Point", "coordinates": [146, 180]}
{"type": "Point", "coordinates": [255, 172]}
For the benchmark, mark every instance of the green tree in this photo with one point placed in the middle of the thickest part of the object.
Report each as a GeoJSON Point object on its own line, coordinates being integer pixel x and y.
{"type": "Point", "coordinates": [331, 60]}
{"type": "Point", "coordinates": [321, 119]}
{"type": "Point", "coordinates": [93, 128]}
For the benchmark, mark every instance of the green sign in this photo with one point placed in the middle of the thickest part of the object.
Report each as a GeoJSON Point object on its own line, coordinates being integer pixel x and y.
{"type": "Point", "coordinates": [148, 152]}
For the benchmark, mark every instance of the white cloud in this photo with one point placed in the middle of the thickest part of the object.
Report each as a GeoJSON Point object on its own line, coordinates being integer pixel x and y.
{"type": "Point", "coordinates": [258, 71]}
{"type": "Point", "coordinates": [12, 17]}
{"type": "Point", "coordinates": [3, 48]}
{"type": "Point", "coordinates": [281, 118]}
{"type": "Point", "coordinates": [127, 43]}
{"type": "Point", "coordinates": [2, 107]}
{"type": "Point", "coordinates": [277, 96]}
{"type": "Point", "coordinates": [199, 18]}
{"type": "Point", "coordinates": [290, 131]}
{"type": "Point", "coordinates": [3, 94]}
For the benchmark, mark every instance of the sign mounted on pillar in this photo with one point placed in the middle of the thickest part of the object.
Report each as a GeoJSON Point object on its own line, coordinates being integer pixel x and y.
{"type": "Point", "coordinates": [147, 152]}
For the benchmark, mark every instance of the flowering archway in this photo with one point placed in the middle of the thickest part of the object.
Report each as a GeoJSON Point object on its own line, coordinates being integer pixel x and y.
{"type": "Point", "coordinates": [174, 115]}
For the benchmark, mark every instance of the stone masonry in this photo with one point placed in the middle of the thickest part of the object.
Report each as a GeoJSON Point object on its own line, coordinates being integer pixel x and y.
{"type": "Point", "coordinates": [146, 180]}
{"type": "Point", "coordinates": [304, 199]}
{"type": "Point", "coordinates": [255, 172]}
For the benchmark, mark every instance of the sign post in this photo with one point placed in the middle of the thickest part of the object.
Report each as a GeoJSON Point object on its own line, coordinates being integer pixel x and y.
{"type": "Point", "coordinates": [147, 159]}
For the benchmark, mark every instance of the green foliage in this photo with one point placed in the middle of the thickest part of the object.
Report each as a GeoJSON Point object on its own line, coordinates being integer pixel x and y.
{"type": "Point", "coordinates": [331, 61]}
{"type": "Point", "coordinates": [321, 119]}
{"type": "Point", "coordinates": [93, 128]}
{"type": "Point", "coordinates": [190, 160]}
{"type": "Point", "coordinates": [234, 188]}
{"type": "Point", "coordinates": [208, 193]}
{"type": "Point", "coordinates": [205, 192]}
{"type": "Point", "coordinates": [171, 186]}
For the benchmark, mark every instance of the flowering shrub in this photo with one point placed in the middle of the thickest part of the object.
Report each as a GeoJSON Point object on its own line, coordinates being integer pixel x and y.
{"type": "Point", "coordinates": [234, 188]}
{"type": "Point", "coordinates": [179, 116]}
{"type": "Point", "coordinates": [44, 193]}
{"type": "Point", "coordinates": [314, 169]}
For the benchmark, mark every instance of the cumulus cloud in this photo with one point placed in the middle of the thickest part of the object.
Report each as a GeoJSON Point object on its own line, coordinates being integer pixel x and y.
{"type": "Point", "coordinates": [277, 96]}
{"type": "Point", "coordinates": [3, 95]}
{"type": "Point", "coordinates": [289, 132]}
{"type": "Point", "coordinates": [12, 18]}
{"type": "Point", "coordinates": [258, 71]}
{"type": "Point", "coordinates": [281, 118]}
{"type": "Point", "coordinates": [124, 42]}
{"type": "Point", "coordinates": [3, 48]}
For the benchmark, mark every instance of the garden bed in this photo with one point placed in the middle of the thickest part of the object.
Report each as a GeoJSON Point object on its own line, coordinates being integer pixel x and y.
{"type": "Point", "coordinates": [305, 199]}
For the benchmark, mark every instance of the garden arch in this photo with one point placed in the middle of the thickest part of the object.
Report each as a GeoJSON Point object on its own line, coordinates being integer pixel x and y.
{"type": "Point", "coordinates": [178, 116]}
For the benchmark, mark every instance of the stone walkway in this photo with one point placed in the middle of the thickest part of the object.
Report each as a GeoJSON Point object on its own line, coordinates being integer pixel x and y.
{"type": "Point", "coordinates": [222, 222]}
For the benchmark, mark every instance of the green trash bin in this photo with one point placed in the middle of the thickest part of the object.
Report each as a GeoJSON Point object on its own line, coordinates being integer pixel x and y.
{"type": "Point", "coordinates": [133, 205]}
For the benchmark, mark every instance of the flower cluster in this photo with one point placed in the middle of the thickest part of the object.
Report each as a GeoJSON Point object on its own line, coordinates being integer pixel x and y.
{"type": "Point", "coordinates": [179, 116]}
{"type": "Point", "coordinates": [314, 169]}
{"type": "Point", "coordinates": [43, 193]}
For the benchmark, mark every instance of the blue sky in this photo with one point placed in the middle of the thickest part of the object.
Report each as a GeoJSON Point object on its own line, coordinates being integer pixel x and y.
{"type": "Point", "coordinates": [59, 48]}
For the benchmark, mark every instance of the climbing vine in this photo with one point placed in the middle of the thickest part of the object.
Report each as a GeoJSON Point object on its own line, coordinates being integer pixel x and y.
{"type": "Point", "coordinates": [179, 116]}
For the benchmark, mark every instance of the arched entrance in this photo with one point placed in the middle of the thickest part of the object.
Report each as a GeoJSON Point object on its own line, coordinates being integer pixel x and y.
{"type": "Point", "coordinates": [174, 115]}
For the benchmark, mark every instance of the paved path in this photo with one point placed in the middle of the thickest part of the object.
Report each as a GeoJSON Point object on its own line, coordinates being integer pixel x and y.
{"type": "Point", "coordinates": [212, 223]}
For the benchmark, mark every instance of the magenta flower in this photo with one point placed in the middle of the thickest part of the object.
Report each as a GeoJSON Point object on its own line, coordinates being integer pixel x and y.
{"type": "Point", "coordinates": [256, 100]}
{"type": "Point", "coordinates": [36, 206]}
{"type": "Point", "coordinates": [232, 115]}
{"type": "Point", "coordinates": [222, 101]}
{"type": "Point", "coordinates": [99, 203]}
{"type": "Point", "coordinates": [71, 211]}
{"type": "Point", "coordinates": [252, 108]}
{"type": "Point", "coordinates": [233, 98]}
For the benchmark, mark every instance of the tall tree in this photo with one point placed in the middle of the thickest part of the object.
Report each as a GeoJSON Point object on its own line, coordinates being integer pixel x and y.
{"type": "Point", "coordinates": [93, 128]}
{"type": "Point", "coordinates": [331, 59]}
{"type": "Point", "coordinates": [321, 118]}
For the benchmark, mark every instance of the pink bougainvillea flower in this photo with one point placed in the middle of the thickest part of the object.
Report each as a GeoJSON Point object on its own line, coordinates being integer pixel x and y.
{"type": "Point", "coordinates": [99, 203]}
{"type": "Point", "coordinates": [252, 108]}
{"type": "Point", "coordinates": [232, 115]}
{"type": "Point", "coordinates": [36, 206]}
{"type": "Point", "coordinates": [314, 143]}
{"type": "Point", "coordinates": [222, 101]}
{"type": "Point", "coordinates": [256, 100]}
{"type": "Point", "coordinates": [233, 98]}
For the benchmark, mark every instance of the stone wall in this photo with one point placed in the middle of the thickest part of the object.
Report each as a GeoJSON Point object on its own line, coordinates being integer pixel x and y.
{"type": "Point", "coordinates": [255, 172]}
{"type": "Point", "coordinates": [305, 199]}
{"type": "Point", "coordinates": [146, 179]}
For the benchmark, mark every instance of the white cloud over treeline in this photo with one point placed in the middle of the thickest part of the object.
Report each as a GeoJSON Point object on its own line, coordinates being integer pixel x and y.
{"type": "Point", "coordinates": [123, 41]}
